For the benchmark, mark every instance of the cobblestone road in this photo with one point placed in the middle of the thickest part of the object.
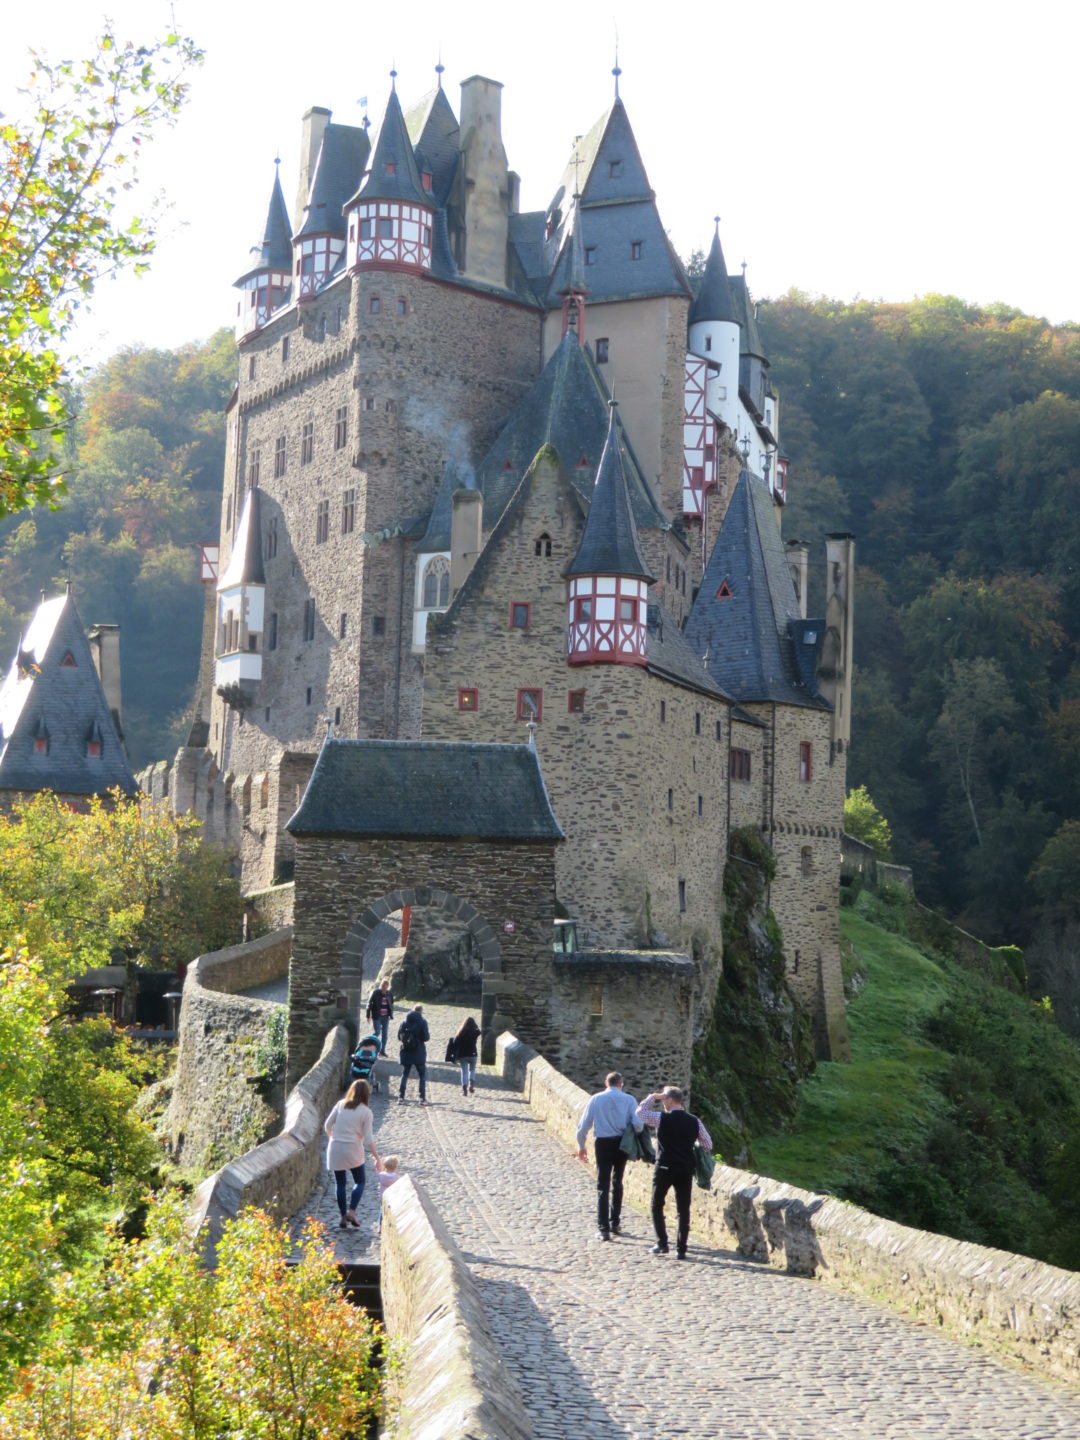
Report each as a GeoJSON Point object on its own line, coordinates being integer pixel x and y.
{"type": "Point", "coordinates": [610, 1341]}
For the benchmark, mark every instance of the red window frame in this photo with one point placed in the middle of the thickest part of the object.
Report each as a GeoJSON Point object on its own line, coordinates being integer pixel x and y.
{"type": "Point", "coordinates": [520, 614]}
{"type": "Point", "coordinates": [468, 700]}
{"type": "Point", "coordinates": [806, 761]}
{"type": "Point", "coordinates": [522, 712]}
{"type": "Point", "coordinates": [93, 748]}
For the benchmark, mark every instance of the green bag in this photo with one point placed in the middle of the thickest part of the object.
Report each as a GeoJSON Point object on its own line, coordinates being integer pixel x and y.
{"type": "Point", "coordinates": [637, 1144]}
{"type": "Point", "coordinates": [704, 1165]}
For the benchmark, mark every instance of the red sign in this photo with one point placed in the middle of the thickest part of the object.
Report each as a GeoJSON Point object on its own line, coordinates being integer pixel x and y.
{"type": "Point", "coordinates": [509, 927]}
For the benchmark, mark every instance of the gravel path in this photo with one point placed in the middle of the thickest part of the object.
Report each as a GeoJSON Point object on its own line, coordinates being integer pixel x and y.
{"type": "Point", "coordinates": [607, 1340]}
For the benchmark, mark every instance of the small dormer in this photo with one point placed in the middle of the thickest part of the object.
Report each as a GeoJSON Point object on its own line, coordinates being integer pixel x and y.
{"type": "Point", "coordinates": [390, 217]}
{"type": "Point", "coordinates": [241, 603]}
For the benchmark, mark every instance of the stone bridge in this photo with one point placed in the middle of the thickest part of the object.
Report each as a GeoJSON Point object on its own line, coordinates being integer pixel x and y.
{"type": "Point", "coordinates": [607, 1340]}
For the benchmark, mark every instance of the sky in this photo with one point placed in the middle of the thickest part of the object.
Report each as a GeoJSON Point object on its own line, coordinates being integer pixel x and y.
{"type": "Point", "coordinates": [850, 149]}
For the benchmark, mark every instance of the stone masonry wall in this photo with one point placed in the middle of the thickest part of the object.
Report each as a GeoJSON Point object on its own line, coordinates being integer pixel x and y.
{"type": "Point", "coordinates": [1009, 1303]}
{"type": "Point", "coordinates": [339, 880]}
{"type": "Point", "coordinates": [214, 1112]}
{"type": "Point", "coordinates": [450, 1381]}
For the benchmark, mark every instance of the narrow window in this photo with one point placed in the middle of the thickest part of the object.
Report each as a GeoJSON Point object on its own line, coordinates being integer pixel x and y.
{"type": "Point", "coordinates": [402, 305]}
{"type": "Point", "coordinates": [682, 897]}
{"type": "Point", "coordinates": [575, 702]}
{"type": "Point", "coordinates": [337, 714]}
{"type": "Point", "coordinates": [284, 349]}
{"type": "Point", "coordinates": [671, 799]}
{"type": "Point", "coordinates": [41, 744]}
{"type": "Point", "coordinates": [635, 249]}
{"type": "Point", "coordinates": [708, 342]}
{"type": "Point", "coordinates": [807, 860]}
{"type": "Point", "coordinates": [739, 764]}
{"type": "Point", "coordinates": [341, 427]}
{"type": "Point", "coordinates": [251, 367]}
{"type": "Point", "coordinates": [805, 769]}
{"type": "Point", "coordinates": [93, 748]}
{"type": "Point", "coordinates": [663, 712]}
{"type": "Point", "coordinates": [374, 304]}
{"type": "Point", "coordinates": [308, 701]}
{"type": "Point", "coordinates": [266, 715]}
{"type": "Point", "coordinates": [369, 402]}
{"type": "Point", "coordinates": [602, 352]}
{"type": "Point", "coordinates": [391, 405]}
{"type": "Point", "coordinates": [307, 443]}
{"type": "Point", "coordinates": [378, 625]}
{"type": "Point", "coordinates": [530, 704]}
{"type": "Point", "coordinates": [271, 632]}
{"type": "Point", "coordinates": [279, 457]}
{"type": "Point", "coordinates": [309, 619]}
{"type": "Point", "coordinates": [468, 699]}
{"type": "Point", "coordinates": [701, 804]}
{"type": "Point", "coordinates": [590, 254]}
{"type": "Point", "coordinates": [253, 468]}
{"type": "Point", "coordinates": [519, 615]}
{"type": "Point", "coordinates": [322, 522]}
{"type": "Point", "coordinates": [719, 731]}
{"type": "Point", "coordinates": [697, 722]}
{"type": "Point", "coordinates": [596, 1006]}
{"type": "Point", "coordinates": [348, 512]}
{"type": "Point", "coordinates": [436, 588]}
{"type": "Point", "coordinates": [543, 546]}
{"type": "Point", "coordinates": [343, 625]}
{"type": "Point", "coordinates": [614, 169]}
{"type": "Point", "coordinates": [270, 548]}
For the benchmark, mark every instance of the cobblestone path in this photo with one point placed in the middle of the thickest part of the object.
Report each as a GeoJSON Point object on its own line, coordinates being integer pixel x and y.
{"type": "Point", "coordinates": [607, 1340]}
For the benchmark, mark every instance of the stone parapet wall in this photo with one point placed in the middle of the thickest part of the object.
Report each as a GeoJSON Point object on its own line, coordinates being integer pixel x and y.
{"type": "Point", "coordinates": [451, 1382]}
{"type": "Point", "coordinates": [215, 1111]}
{"type": "Point", "coordinates": [1011, 1304]}
{"type": "Point", "coordinates": [272, 909]}
{"type": "Point", "coordinates": [278, 1175]}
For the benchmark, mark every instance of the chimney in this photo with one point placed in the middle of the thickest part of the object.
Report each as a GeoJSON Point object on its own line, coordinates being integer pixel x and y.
{"type": "Point", "coordinates": [488, 190]}
{"type": "Point", "coordinates": [313, 128]}
{"type": "Point", "coordinates": [798, 559]}
{"type": "Point", "coordinates": [466, 521]}
{"type": "Point", "coordinates": [105, 649]}
{"type": "Point", "coordinates": [834, 669]}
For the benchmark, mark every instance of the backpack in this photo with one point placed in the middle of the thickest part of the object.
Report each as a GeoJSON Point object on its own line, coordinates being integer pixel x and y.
{"type": "Point", "coordinates": [405, 1033]}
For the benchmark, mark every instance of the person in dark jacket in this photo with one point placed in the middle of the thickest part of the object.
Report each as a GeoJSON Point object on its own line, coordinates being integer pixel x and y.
{"type": "Point", "coordinates": [413, 1037]}
{"type": "Point", "coordinates": [465, 1054]}
{"type": "Point", "coordinates": [380, 1011]}
{"type": "Point", "coordinates": [676, 1132]}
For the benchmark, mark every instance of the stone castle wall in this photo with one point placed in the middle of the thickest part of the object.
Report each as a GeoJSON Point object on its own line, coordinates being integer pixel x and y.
{"type": "Point", "coordinates": [215, 1112]}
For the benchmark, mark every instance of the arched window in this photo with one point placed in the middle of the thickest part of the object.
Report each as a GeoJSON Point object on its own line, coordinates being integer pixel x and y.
{"type": "Point", "coordinates": [543, 545]}
{"type": "Point", "coordinates": [437, 583]}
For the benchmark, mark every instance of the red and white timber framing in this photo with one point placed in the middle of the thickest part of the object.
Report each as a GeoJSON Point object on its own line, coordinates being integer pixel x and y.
{"type": "Point", "coordinates": [387, 232]}
{"type": "Point", "coordinates": [608, 620]}
{"type": "Point", "coordinates": [699, 438]}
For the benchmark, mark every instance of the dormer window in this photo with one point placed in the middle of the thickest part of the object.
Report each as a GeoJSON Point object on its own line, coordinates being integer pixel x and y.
{"type": "Point", "coordinates": [69, 662]}
{"type": "Point", "coordinates": [590, 254]}
{"type": "Point", "coordinates": [614, 169]}
{"type": "Point", "coordinates": [425, 179]}
{"type": "Point", "coordinates": [93, 749]}
{"type": "Point", "coordinates": [636, 247]}
{"type": "Point", "coordinates": [725, 592]}
{"type": "Point", "coordinates": [390, 167]}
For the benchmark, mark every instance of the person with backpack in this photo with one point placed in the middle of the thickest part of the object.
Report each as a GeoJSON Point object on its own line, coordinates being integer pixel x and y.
{"type": "Point", "coordinates": [413, 1035]}
{"type": "Point", "coordinates": [676, 1133]}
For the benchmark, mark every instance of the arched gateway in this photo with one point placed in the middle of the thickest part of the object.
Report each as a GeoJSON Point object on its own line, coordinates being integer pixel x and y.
{"type": "Point", "coordinates": [389, 823]}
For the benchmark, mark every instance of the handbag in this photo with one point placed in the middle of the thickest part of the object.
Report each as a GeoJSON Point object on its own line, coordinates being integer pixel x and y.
{"type": "Point", "coordinates": [451, 1049]}
{"type": "Point", "coordinates": [704, 1165]}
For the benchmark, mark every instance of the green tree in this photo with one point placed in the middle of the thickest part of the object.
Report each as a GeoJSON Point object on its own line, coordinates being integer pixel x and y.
{"type": "Point", "coordinates": [66, 163]}
{"type": "Point", "coordinates": [865, 822]}
{"type": "Point", "coordinates": [1056, 873]}
{"type": "Point", "coordinates": [977, 705]}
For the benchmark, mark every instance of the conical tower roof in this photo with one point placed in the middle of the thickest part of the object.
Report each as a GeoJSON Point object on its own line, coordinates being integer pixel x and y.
{"type": "Point", "coordinates": [743, 306]}
{"type": "Point", "coordinates": [246, 560]}
{"type": "Point", "coordinates": [713, 301]}
{"type": "Point", "coordinates": [394, 174]}
{"type": "Point", "coordinates": [568, 277]}
{"type": "Point", "coordinates": [342, 157]}
{"type": "Point", "coordinates": [609, 543]}
{"type": "Point", "coordinates": [274, 251]}
{"type": "Point", "coordinates": [436, 133]}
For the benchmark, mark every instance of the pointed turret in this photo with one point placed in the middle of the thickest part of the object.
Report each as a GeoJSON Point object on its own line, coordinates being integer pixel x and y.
{"type": "Point", "coordinates": [753, 364]}
{"type": "Point", "coordinates": [241, 602]}
{"type": "Point", "coordinates": [568, 278]}
{"type": "Point", "coordinates": [390, 217]}
{"type": "Point", "coordinates": [712, 378]}
{"type": "Point", "coordinates": [319, 243]}
{"type": "Point", "coordinates": [265, 285]}
{"type": "Point", "coordinates": [608, 578]}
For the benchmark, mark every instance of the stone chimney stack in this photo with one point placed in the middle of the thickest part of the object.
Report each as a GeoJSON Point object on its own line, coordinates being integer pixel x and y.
{"type": "Point", "coordinates": [466, 535]}
{"type": "Point", "coordinates": [488, 188]}
{"type": "Point", "coordinates": [313, 129]}
{"type": "Point", "coordinates": [105, 649]}
{"type": "Point", "coordinates": [834, 669]}
{"type": "Point", "coordinates": [798, 557]}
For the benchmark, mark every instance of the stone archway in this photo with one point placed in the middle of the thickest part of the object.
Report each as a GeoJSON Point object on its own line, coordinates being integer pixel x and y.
{"type": "Point", "coordinates": [416, 897]}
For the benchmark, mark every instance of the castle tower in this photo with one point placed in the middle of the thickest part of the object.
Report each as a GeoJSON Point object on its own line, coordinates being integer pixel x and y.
{"type": "Point", "coordinates": [607, 623]}
{"type": "Point", "coordinates": [390, 217]}
{"type": "Point", "coordinates": [265, 287]}
{"type": "Point", "coordinates": [241, 592]}
{"type": "Point", "coordinates": [713, 331]}
{"type": "Point", "coordinates": [319, 244]}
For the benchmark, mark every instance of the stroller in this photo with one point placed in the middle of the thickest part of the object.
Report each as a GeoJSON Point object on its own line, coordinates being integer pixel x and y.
{"type": "Point", "coordinates": [363, 1062]}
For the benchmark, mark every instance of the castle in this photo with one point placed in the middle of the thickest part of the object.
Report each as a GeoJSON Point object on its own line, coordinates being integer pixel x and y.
{"type": "Point", "coordinates": [437, 525]}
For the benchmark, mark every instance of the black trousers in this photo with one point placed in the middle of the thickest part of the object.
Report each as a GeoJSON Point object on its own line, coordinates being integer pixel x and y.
{"type": "Point", "coordinates": [682, 1182]}
{"type": "Point", "coordinates": [610, 1164]}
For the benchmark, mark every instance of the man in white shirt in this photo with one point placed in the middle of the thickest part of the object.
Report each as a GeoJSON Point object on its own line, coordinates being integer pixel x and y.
{"type": "Point", "coordinates": [608, 1113]}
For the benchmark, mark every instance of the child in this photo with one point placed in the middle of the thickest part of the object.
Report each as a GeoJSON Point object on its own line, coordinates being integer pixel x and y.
{"type": "Point", "coordinates": [388, 1173]}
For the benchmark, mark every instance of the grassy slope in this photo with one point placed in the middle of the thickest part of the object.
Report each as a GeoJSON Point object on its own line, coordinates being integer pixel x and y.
{"type": "Point", "coordinates": [846, 1111]}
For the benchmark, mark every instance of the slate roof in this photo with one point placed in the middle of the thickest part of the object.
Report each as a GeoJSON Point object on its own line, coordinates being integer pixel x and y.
{"type": "Point", "coordinates": [532, 251]}
{"type": "Point", "coordinates": [750, 339]}
{"type": "Point", "coordinates": [435, 133]}
{"type": "Point", "coordinates": [423, 789]}
{"type": "Point", "coordinates": [671, 655]}
{"type": "Point", "coordinates": [338, 171]}
{"type": "Point", "coordinates": [617, 210]}
{"type": "Point", "coordinates": [458, 474]}
{"type": "Point", "coordinates": [609, 543]}
{"type": "Point", "coordinates": [713, 300]}
{"type": "Point", "coordinates": [245, 565]}
{"type": "Point", "coordinates": [568, 276]}
{"type": "Point", "coordinates": [52, 690]}
{"type": "Point", "coordinates": [566, 407]}
{"type": "Point", "coordinates": [747, 640]}
{"type": "Point", "coordinates": [274, 252]}
{"type": "Point", "coordinates": [394, 148]}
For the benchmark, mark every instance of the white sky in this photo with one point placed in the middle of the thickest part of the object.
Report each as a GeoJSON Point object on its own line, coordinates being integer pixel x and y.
{"type": "Point", "coordinates": [850, 148]}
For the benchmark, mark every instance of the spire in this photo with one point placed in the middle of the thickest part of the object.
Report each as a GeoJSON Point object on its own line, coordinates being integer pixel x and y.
{"type": "Point", "coordinates": [439, 68]}
{"type": "Point", "coordinates": [609, 542]}
{"type": "Point", "coordinates": [713, 301]}
{"type": "Point", "coordinates": [246, 561]}
{"type": "Point", "coordinates": [394, 174]}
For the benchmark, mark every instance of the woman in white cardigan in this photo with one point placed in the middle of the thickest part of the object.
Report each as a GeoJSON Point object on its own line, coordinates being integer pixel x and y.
{"type": "Point", "coordinates": [350, 1126]}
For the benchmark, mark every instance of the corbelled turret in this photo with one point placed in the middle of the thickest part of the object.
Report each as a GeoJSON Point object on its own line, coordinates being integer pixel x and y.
{"type": "Point", "coordinates": [390, 216]}
{"type": "Point", "coordinates": [265, 287]}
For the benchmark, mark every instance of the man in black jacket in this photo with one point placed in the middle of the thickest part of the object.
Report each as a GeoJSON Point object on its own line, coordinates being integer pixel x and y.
{"type": "Point", "coordinates": [676, 1132]}
{"type": "Point", "coordinates": [380, 1011]}
{"type": "Point", "coordinates": [413, 1036]}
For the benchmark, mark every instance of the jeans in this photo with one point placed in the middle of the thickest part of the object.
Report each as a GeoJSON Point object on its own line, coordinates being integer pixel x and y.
{"type": "Point", "coordinates": [468, 1070]}
{"type": "Point", "coordinates": [421, 1071]}
{"type": "Point", "coordinates": [380, 1025]}
{"type": "Point", "coordinates": [682, 1181]}
{"type": "Point", "coordinates": [610, 1164]}
{"type": "Point", "coordinates": [358, 1188]}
